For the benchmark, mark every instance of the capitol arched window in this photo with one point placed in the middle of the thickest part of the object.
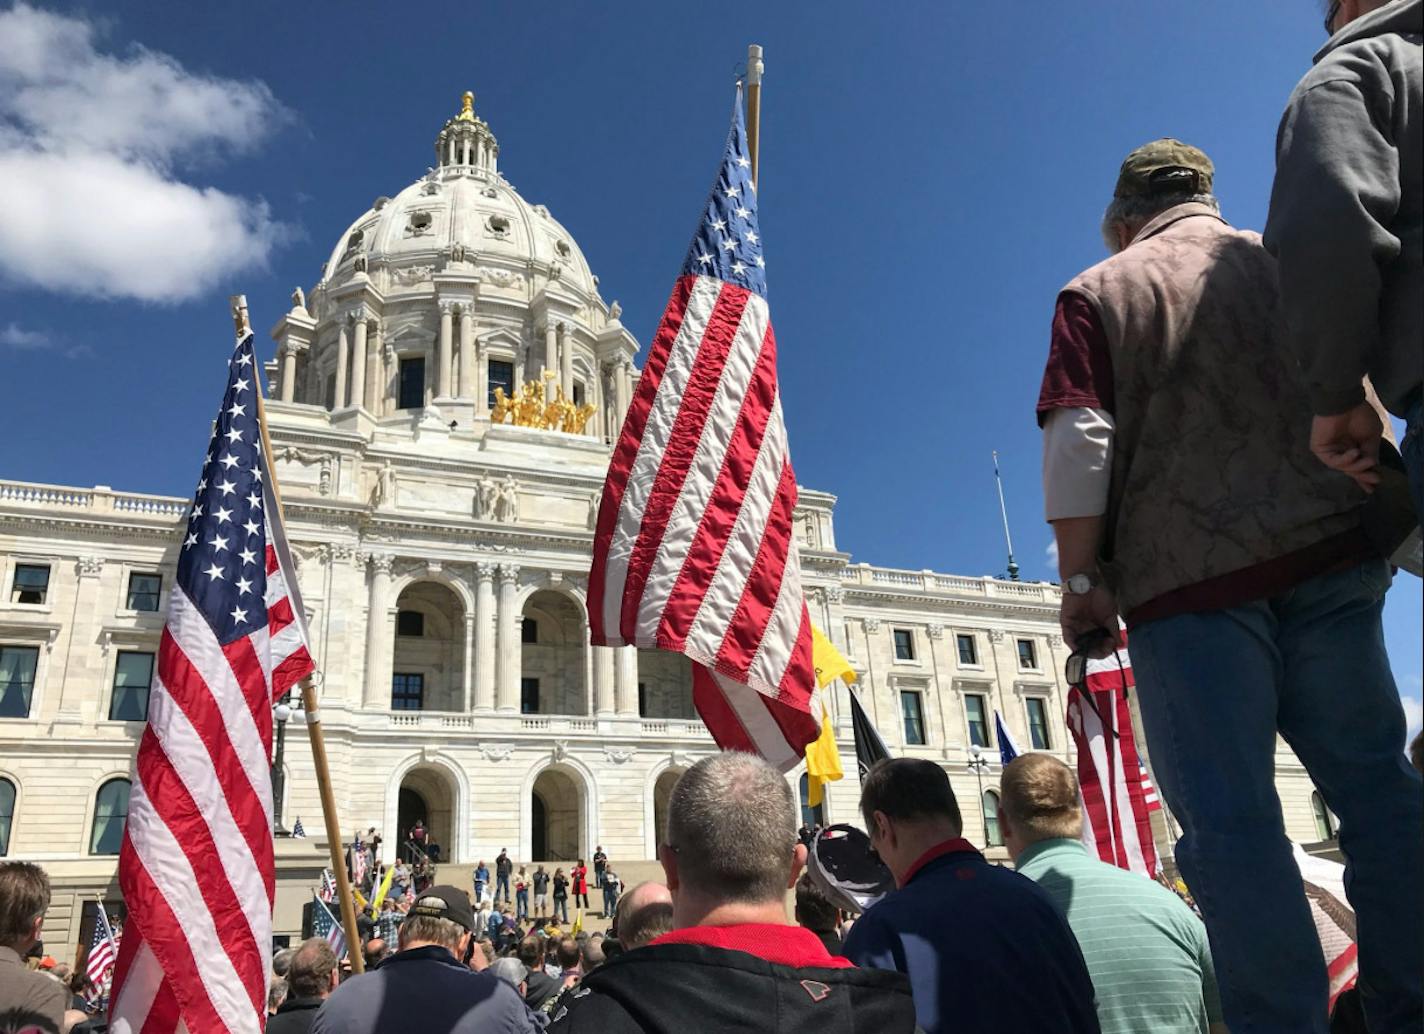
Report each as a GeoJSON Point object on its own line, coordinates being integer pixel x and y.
{"type": "Point", "coordinates": [111, 813]}
{"type": "Point", "coordinates": [7, 814]}
{"type": "Point", "coordinates": [992, 836]}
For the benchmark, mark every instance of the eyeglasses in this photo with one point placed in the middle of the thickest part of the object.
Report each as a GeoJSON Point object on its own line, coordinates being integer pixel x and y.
{"type": "Point", "coordinates": [1330, 18]}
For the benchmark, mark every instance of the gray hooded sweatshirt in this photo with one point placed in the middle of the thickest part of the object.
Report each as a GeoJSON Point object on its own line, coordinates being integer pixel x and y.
{"type": "Point", "coordinates": [1347, 213]}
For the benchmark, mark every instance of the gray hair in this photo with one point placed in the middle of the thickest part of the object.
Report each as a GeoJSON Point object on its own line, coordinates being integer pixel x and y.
{"type": "Point", "coordinates": [276, 994]}
{"type": "Point", "coordinates": [433, 930]}
{"type": "Point", "coordinates": [732, 823]}
{"type": "Point", "coordinates": [282, 961]}
{"type": "Point", "coordinates": [1132, 213]}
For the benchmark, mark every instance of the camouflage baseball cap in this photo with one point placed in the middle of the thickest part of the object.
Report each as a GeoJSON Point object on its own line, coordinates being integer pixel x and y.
{"type": "Point", "coordinates": [1164, 166]}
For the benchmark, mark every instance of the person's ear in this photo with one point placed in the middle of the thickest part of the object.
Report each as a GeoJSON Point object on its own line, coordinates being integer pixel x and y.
{"type": "Point", "coordinates": [37, 934]}
{"type": "Point", "coordinates": [884, 828]}
{"type": "Point", "coordinates": [798, 864]}
{"type": "Point", "coordinates": [668, 858]}
{"type": "Point", "coordinates": [335, 980]}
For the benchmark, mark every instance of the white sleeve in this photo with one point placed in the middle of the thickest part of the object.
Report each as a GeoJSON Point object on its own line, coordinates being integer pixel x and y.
{"type": "Point", "coordinates": [1077, 462]}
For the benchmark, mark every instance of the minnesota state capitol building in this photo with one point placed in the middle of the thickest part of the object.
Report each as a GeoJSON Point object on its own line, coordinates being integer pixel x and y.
{"type": "Point", "coordinates": [442, 406]}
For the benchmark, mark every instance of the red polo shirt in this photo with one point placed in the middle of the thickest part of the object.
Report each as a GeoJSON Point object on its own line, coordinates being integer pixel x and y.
{"type": "Point", "coordinates": [784, 945]}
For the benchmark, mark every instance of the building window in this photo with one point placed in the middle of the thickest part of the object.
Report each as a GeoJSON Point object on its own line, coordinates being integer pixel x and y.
{"type": "Point", "coordinates": [528, 696]}
{"type": "Point", "coordinates": [31, 583]}
{"type": "Point", "coordinates": [811, 816]}
{"type": "Point", "coordinates": [579, 393]}
{"type": "Point", "coordinates": [411, 393]}
{"type": "Point", "coordinates": [410, 623]}
{"type": "Point", "coordinates": [111, 811]}
{"type": "Point", "coordinates": [992, 836]}
{"type": "Point", "coordinates": [529, 631]}
{"type": "Point", "coordinates": [913, 715]}
{"type": "Point", "coordinates": [501, 375]}
{"type": "Point", "coordinates": [976, 715]}
{"type": "Point", "coordinates": [17, 679]}
{"type": "Point", "coordinates": [642, 700]}
{"type": "Point", "coordinates": [7, 814]}
{"type": "Point", "coordinates": [1028, 656]}
{"type": "Point", "coordinates": [904, 644]}
{"type": "Point", "coordinates": [1037, 723]}
{"type": "Point", "coordinates": [144, 590]}
{"type": "Point", "coordinates": [407, 691]}
{"type": "Point", "coordinates": [968, 651]}
{"type": "Point", "coordinates": [133, 675]}
{"type": "Point", "coordinates": [1324, 821]}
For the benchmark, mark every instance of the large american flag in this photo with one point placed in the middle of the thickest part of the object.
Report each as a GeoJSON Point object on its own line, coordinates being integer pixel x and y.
{"type": "Point", "coordinates": [103, 951]}
{"type": "Point", "coordinates": [693, 550]}
{"type": "Point", "coordinates": [325, 924]}
{"type": "Point", "coordinates": [1112, 779]}
{"type": "Point", "coordinates": [196, 867]}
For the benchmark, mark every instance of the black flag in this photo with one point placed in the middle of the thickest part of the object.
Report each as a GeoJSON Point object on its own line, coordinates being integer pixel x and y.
{"type": "Point", "coordinates": [869, 747]}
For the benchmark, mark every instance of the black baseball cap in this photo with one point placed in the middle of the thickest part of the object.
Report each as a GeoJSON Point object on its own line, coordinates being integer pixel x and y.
{"type": "Point", "coordinates": [445, 902]}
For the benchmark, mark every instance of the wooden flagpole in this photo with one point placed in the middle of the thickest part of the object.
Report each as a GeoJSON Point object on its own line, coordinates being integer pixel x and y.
{"type": "Point", "coordinates": [309, 699]}
{"type": "Point", "coordinates": [755, 68]}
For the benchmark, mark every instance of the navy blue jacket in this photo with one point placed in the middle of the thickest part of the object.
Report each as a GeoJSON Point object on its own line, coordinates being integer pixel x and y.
{"type": "Point", "coordinates": [985, 949]}
{"type": "Point", "coordinates": [424, 989]}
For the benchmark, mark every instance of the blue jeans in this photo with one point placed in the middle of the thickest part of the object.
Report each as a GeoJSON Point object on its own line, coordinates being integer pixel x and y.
{"type": "Point", "coordinates": [501, 886]}
{"type": "Point", "coordinates": [610, 901]}
{"type": "Point", "coordinates": [561, 909]}
{"type": "Point", "coordinates": [1412, 449]}
{"type": "Point", "coordinates": [521, 904]}
{"type": "Point", "coordinates": [1215, 688]}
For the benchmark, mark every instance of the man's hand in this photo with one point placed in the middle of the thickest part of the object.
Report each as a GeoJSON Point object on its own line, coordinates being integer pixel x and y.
{"type": "Point", "coordinates": [1095, 609]}
{"type": "Point", "coordinates": [1349, 442]}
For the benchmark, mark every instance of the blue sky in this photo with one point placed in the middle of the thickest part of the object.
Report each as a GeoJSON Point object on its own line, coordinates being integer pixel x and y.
{"type": "Point", "coordinates": [931, 174]}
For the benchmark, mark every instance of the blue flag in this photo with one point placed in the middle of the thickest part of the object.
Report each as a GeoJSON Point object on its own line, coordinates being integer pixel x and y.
{"type": "Point", "coordinates": [1008, 749]}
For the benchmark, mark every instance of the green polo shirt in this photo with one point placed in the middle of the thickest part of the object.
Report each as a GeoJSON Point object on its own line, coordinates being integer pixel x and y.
{"type": "Point", "coordinates": [1146, 951]}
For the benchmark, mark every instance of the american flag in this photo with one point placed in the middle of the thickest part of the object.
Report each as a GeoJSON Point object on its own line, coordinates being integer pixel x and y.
{"type": "Point", "coordinates": [693, 550]}
{"type": "Point", "coordinates": [328, 886]}
{"type": "Point", "coordinates": [359, 861]}
{"type": "Point", "coordinates": [196, 866]}
{"type": "Point", "coordinates": [324, 924]}
{"type": "Point", "coordinates": [298, 830]}
{"type": "Point", "coordinates": [103, 951]}
{"type": "Point", "coordinates": [1112, 779]}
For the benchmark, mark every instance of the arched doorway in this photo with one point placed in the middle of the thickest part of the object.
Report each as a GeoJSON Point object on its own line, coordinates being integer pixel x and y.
{"type": "Point", "coordinates": [553, 658]}
{"type": "Point", "coordinates": [428, 659]}
{"type": "Point", "coordinates": [556, 818]}
{"type": "Point", "coordinates": [664, 685]}
{"type": "Point", "coordinates": [426, 794]}
{"type": "Point", "coordinates": [662, 797]}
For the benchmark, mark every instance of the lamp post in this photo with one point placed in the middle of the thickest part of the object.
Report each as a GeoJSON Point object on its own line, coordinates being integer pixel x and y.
{"type": "Point", "coordinates": [281, 713]}
{"type": "Point", "coordinates": [978, 764]}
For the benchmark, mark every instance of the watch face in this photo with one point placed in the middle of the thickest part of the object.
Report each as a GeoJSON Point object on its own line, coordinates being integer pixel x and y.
{"type": "Point", "coordinates": [1079, 584]}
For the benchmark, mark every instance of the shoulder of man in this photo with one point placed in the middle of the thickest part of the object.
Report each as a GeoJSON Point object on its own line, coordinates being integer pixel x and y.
{"type": "Point", "coordinates": [587, 1012]}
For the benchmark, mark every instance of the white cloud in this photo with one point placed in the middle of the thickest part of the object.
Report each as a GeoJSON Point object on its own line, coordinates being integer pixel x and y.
{"type": "Point", "coordinates": [1413, 715]}
{"type": "Point", "coordinates": [90, 149]}
{"type": "Point", "coordinates": [1052, 553]}
{"type": "Point", "coordinates": [17, 337]}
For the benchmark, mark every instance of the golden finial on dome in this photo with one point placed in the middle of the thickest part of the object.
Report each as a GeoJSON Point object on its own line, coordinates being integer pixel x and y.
{"type": "Point", "coordinates": [467, 107]}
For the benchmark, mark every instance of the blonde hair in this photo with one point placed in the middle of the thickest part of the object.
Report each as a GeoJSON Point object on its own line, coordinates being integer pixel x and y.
{"type": "Point", "coordinates": [1040, 798]}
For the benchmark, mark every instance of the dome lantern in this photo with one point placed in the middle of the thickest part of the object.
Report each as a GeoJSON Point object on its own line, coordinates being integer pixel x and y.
{"type": "Point", "coordinates": [465, 143]}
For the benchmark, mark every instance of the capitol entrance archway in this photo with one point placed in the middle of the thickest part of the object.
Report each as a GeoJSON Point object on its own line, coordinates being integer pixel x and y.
{"type": "Point", "coordinates": [426, 794]}
{"type": "Point", "coordinates": [556, 818]}
{"type": "Point", "coordinates": [662, 796]}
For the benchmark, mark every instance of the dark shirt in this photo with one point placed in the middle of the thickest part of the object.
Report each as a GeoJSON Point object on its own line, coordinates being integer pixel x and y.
{"type": "Point", "coordinates": [969, 935]}
{"type": "Point", "coordinates": [503, 866]}
{"type": "Point", "coordinates": [294, 1016]}
{"type": "Point", "coordinates": [540, 987]}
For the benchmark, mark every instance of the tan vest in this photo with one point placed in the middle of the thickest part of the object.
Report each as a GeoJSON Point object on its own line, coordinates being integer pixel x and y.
{"type": "Point", "coordinates": [1211, 467]}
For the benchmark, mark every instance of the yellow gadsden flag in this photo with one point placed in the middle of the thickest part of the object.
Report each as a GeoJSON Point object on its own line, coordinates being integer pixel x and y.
{"type": "Point", "coordinates": [385, 888]}
{"type": "Point", "coordinates": [823, 760]}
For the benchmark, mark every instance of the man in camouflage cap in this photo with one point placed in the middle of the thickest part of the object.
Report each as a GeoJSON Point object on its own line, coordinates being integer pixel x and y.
{"type": "Point", "coordinates": [1183, 495]}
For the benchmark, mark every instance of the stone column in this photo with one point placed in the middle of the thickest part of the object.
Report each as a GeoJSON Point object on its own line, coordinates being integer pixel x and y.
{"type": "Point", "coordinates": [375, 389]}
{"type": "Point", "coordinates": [470, 622]}
{"type": "Point", "coordinates": [343, 363]}
{"type": "Point", "coordinates": [626, 682]}
{"type": "Point", "coordinates": [622, 397]}
{"type": "Point", "coordinates": [507, 625]}
{"type": "Point", "coordinates": [378, 634]}
{"type": "Point", "coordinates": [604, 680]}
{"type": "Point", "coordinates": [358, 361]}
{"type": "Point", "coordinates": [551, 355]}
{"type": "Point", "coordinates": [566, 359]}
{"type": "Point", "coordinates": [484, 636]}
{"type": "Point", "coordinates": [466, 357]}
{"type": "Point", "coordinates": [289, 374]}
{"type": "Point", "coordinates": [481, 378]}
{"type": "Point", "coordinates": [442, 368]}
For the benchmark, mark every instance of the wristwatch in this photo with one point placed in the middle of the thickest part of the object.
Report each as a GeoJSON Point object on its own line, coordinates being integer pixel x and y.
{"type": "Point", "coordinates": [1078, 584]}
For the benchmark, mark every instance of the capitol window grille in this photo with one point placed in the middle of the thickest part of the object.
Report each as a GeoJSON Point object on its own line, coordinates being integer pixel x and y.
{"type": "Point", "coordinates": [407, 691]}
{"type": "Point", "coordinates": [133, 677]}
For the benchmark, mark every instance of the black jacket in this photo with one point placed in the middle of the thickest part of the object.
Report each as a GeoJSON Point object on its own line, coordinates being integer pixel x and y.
{"type": "Point", "coordinates": [676, 988]}
{"type": "Point", "coordinates": [294, 1016]}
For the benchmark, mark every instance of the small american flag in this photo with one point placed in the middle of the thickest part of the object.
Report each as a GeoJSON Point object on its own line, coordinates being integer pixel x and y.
{"type": "Point", "coordinates": [359, 862]}
{"type": "Point", "coordinates": [196, 866]}
{"type": "Point", "coordinates": [324, 924]}
{"type": "Point", "coordinates": [694, 550]}
{"type": "Point", "coordinates": [328, 886]}
{"type": "Point", "coordinates": [1112, 780]}
{"type": "Point", "coordinates": [103, 952]}
{"type": "Point", "coordinates": [298, 831]}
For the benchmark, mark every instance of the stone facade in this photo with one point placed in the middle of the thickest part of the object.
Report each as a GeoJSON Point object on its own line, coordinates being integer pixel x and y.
{"type": "Point", "coordinates": [442, 561]}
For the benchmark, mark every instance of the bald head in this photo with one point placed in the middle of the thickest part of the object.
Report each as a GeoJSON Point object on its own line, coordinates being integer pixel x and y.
{"type": "Point", "coordinates": [644, 913]}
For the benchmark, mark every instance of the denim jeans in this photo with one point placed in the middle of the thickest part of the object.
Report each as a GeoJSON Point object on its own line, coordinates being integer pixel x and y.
{"type": "Point", "coordinates": [1412, 449]}
{"type": "Point", "coordinates": [561, 909]}
{"type": "Point", "coordinates": [1215, 688]}
{"type": "Point", "coordinates": [501, 886]}
{"type": "Point", "coordinates": [521, 904]}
